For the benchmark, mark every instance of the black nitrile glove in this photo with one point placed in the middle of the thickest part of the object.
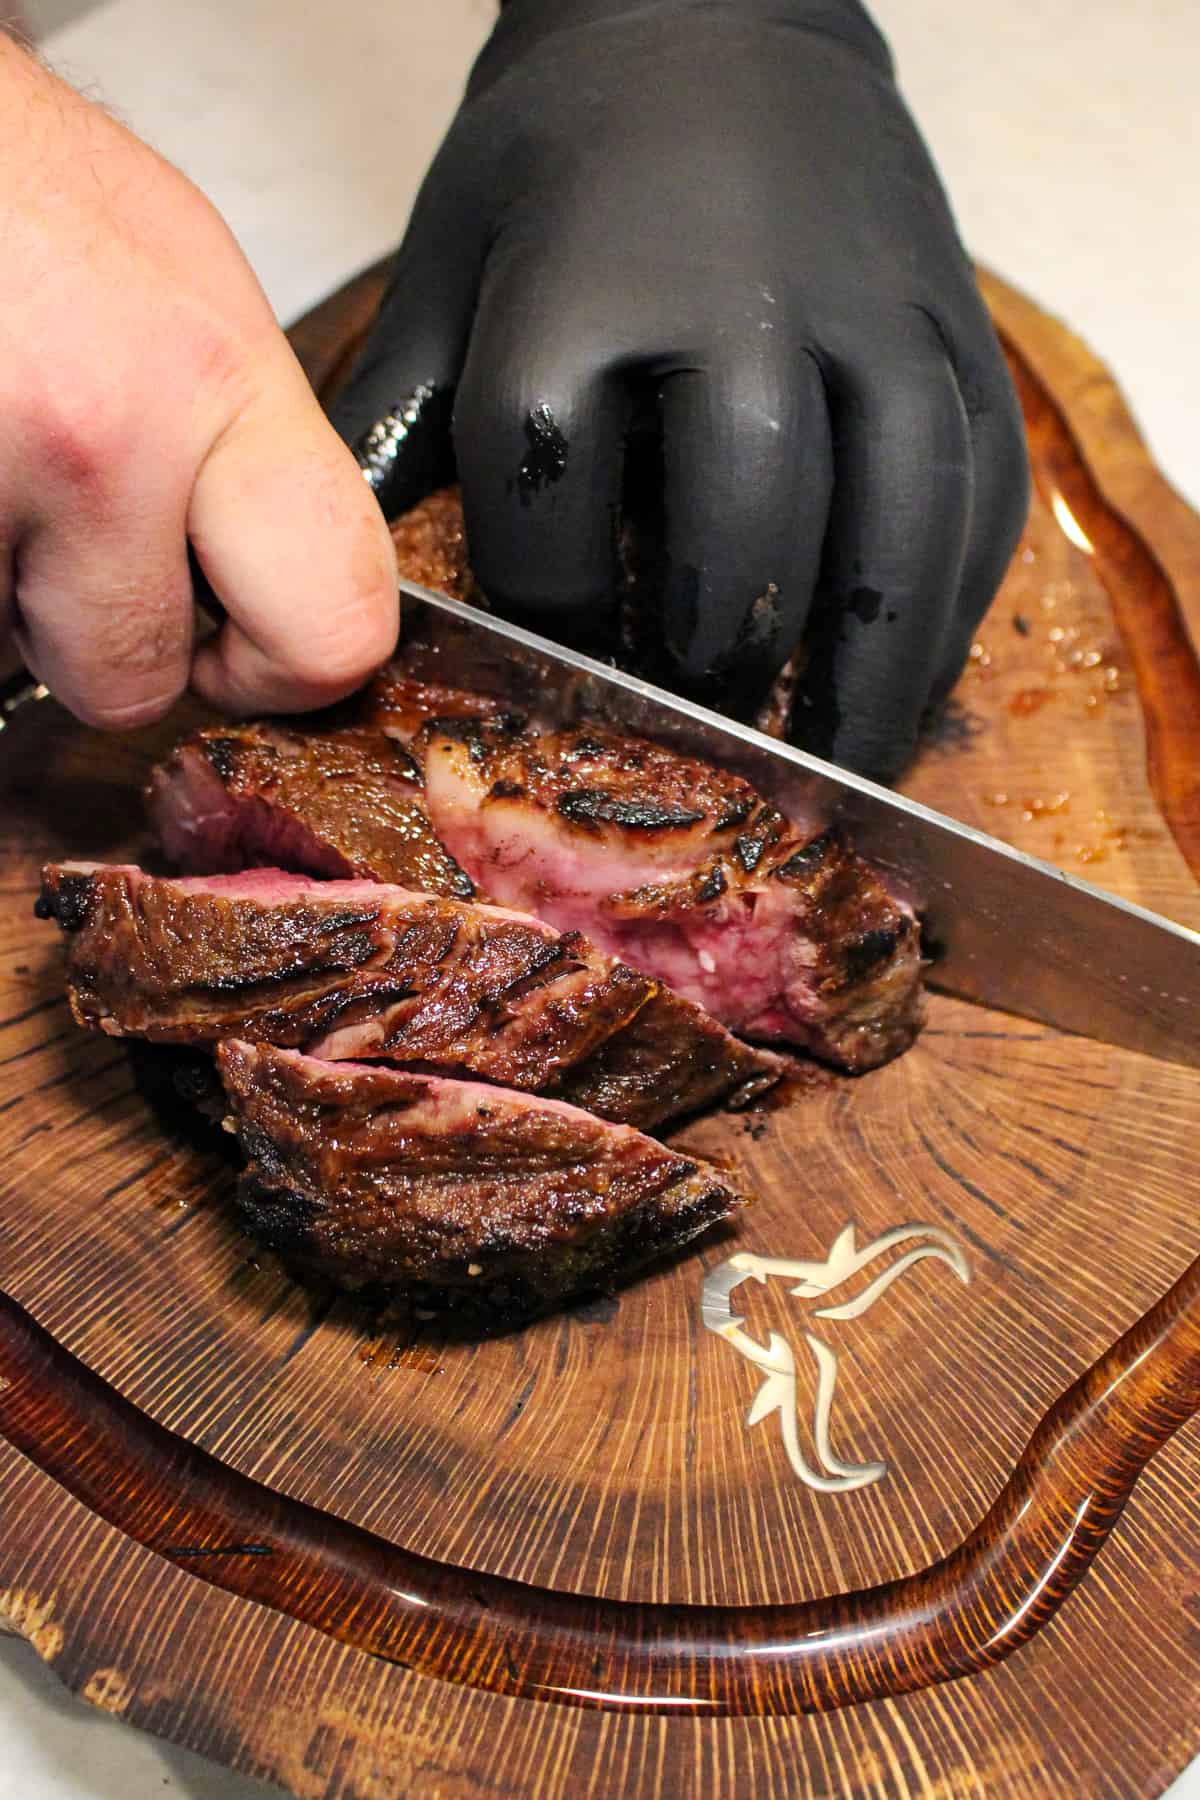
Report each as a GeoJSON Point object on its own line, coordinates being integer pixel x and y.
{"type": "Point", "coordinates": [722, 209]}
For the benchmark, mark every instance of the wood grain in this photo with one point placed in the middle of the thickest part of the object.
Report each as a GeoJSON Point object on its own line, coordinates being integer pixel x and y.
{"type": "Point", "coordinates": [605, 1453]}
{"type": "Point", "coordinates": [965, 1613]}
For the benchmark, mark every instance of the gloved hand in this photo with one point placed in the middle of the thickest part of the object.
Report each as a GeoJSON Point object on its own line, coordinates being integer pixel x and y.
{"type": "Point", "coordinates": [723, 210]}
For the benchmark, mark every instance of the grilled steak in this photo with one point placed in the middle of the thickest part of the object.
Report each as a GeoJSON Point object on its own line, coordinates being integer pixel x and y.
{"type": "Point", "coordinates": [358, 969]}
{"type": "Point", "coordinates": [685, 871]}
{"type": "Point", "coordinates": [335, 803]}
{"type": "Point", "coordinates": [384, 1178]}
{"type": "Point", "coordinates": [431, 546]}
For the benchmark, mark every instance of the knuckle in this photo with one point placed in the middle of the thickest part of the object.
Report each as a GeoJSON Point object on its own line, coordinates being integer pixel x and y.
{"type": "Point", "coordinates": [128, 663]}
{"type": "Point", "coordinates": [358, 631]}
{"type": "Point", "coordinates": [83, 447]}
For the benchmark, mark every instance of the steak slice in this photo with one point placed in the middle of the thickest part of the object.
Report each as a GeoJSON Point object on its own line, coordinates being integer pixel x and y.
{"type": "Point", "coordinates": [349, 969]}
{"type": "Point", "coordinates": [371, 1177]}
{"type": "Point", "coordinates": [336, 803]}
{"type": "Point", "coordinates": [685, 871]}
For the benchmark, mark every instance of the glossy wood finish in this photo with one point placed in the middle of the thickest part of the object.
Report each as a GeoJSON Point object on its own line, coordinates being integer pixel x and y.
{"type": "Point", "coordinates": [968, 1611]}
{"type": "Point", "coordinates": [606, 1453]}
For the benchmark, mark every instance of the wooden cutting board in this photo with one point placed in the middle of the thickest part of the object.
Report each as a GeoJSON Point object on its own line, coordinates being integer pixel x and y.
{"type": "Point", "coordinates": [252, 1586]}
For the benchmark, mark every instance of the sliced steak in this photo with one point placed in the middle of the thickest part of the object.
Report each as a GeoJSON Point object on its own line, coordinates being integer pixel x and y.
{"type": "Point", "coordinates": [371, 1177]}
{"type": "Point", "coordinates": [348, 969]}
{"type": "Point", "coordinates": [626, 1076]}
{"type": "Point", "coordinates": [685, 871]}
{"type": "Point", "coordinates": [334, 803]}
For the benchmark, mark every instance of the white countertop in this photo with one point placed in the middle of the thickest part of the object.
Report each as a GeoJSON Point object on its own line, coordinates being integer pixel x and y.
{"type": "Point", "coordinates": [1068, 135]}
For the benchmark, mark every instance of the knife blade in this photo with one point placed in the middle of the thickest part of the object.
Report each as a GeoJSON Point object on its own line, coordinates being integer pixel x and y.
{"type": "Point", "coordinates": [1004, 929]}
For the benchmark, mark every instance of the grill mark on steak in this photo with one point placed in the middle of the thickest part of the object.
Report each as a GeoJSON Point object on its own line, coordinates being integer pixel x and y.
{"type": "Point", "coordinates": [707, 1064]}
{"type": "Point", "coordinates": [801, 863]}
{"type": "Point", "coordinates": [452, 1192]}
{"type": "Point", "coordinates": [592, 806]}
{"type": "Point", "coordinates": [353, 969]}
{"type": "Point", "coordinates": [221, 754]}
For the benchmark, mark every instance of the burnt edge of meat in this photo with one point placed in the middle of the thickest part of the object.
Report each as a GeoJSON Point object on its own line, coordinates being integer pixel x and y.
{"type": "Point", "coordinates": [862, 955]}
{"type": "Point", "coordinates": [67, 899]}
{"type": "Point", "coordinates": [713, 884]}
{"type": "Point", "coordinates": [764, 830]}
{"type": "Point", "coordinates": [803, 863]}
{"type": "Point", "coordinates": [286, 1220]}
{"type": "Point", "coordinates": [859, 952]}
{"type": "Point", "coordinates": [478, 736]}
{"type": "Point", "coordinates": [593, 806]}
{"type": "Point", "coordinates": [221, 753]}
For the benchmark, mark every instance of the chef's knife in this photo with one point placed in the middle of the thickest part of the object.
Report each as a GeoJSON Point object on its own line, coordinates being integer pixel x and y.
{"type": "Point", "coordinates": [1004, 929]}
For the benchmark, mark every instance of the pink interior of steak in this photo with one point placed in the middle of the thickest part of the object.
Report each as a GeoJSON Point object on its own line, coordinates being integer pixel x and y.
{"type": "Point", "coordinates": [685, 872]}
{"type": "Point", "coordinates": [202, 825]}
{"type": "Point", "coordinates": [669, 864]}
{"type": "Point", "coordinates": [276, 887]}
{"type": "Point", "coordinates": [343, 800]}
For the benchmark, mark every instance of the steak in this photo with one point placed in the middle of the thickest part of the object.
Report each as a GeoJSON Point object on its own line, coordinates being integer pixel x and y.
{"type": "Point", "coordinates": [450, 1190]}
{"type": "Point", "coordinates": [354, 969]}
{"type": "Point", "coordinates": [682, 870]}
{"type": "Point", "coordinates": [337, 803]}
{"type": "Point", "coordinates": [431, 546]}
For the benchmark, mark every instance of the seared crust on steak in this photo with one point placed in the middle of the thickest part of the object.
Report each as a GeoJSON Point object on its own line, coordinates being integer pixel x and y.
{"type": "Point", "coordinates": [359, 969]}
{"type": "Point", "coordinates": [372, 1177]}
{"type": "Point", "coordinates": [335, 803]}
{"type": "Point", "coordinates": [431, 546]}
{"type": "Point", "coordinates": [622, 1076]}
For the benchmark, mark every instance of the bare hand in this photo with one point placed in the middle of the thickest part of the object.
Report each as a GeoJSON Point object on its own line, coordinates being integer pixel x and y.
{"type": "Point", "coordinates": [148, 399]}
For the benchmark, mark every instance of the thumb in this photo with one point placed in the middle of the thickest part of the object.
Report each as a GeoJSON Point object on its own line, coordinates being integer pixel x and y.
{"type": "Point", "coordinates": [293, 544]}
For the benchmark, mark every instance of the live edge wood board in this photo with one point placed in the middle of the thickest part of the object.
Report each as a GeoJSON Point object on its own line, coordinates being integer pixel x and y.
{"type": "Point", "coordinates": [374, 1562]}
